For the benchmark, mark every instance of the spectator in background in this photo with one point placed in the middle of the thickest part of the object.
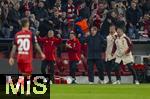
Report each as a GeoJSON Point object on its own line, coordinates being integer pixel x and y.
{"type": "Point", "coordinates": [46, 24]}
{"type": "Point", "coordinates": [146, 23]}
{"type": "Point", "coordinates": [82, 26]}
{"type": "Point", "coordinates": [14, 18]}
{"type": "Point", "coordinates": [133, 16]}
{"type": "Point", "coordinates": [27, 13]}
{"type": "Point", "coordinates": [121, 9]}
{"type": "Point", "coordinates": [50, 3]}
{"type": "Point", "coordinates": [84, 11]}
{"type": "Point", "coordinates": [146, 7]}
{"type": "Point", "coordinates": [95, 5]}
{"type": "Point", "coordinates": [64, 27]}
{"type": "Point", "coordinates": [5, 27]}
{"type": "Point", "coordinates": [110, 19]}
{"type": "Point", "coordinates": [34, 24]}
{"type": "Point", "coordinates": [59, 6]}
{"type": "Point", "coordinates": [40, 12]}
{"type": "Point", "coordinates": [70, 11]}
{"type": "Point", "coordinates": [97, 15]}
{"type": "Point", "coordinates": [56, 20]}
{"type": "Point", "coordinates": [25, 5]}
{"type": "Point", "coordinates": [73, 47]}
{"type": "Point", "coordinates": [96, 46]}
{"type": "Point", "coordinates": [113, 5]}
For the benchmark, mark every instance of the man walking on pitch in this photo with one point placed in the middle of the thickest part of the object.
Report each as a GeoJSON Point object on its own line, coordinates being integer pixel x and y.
{"type": "Point", "coordinates": [23, 45]}
{"type": "Point", "coordinates": [122, 50]}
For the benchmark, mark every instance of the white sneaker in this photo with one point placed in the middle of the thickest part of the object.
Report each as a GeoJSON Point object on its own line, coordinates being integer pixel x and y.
{"type": "Point", "coordinates": [137, 82]}
{"type": "Point", "coordinates": [91, 83]}
{"type": "Point", "coordinates": [101, 82]}
{"type": "Point", "coordinates": [105, 82]}
{"type": "Point", "coordinates": [51, 82]}
{"type": "Point", "coordinates": [45, 80]}
{"type": "Point", "coordinates": [74, 82]}
{"type": "Point", "coordinates": [117, 82]}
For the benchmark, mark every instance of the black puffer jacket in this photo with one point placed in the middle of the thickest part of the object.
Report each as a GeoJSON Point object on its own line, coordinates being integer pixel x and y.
{"type": "Point", "coordinates": [96, 46]}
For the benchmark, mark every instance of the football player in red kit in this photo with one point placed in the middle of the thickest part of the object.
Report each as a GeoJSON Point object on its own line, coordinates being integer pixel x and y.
{"type": "Point", "coordinates": [23, 44]}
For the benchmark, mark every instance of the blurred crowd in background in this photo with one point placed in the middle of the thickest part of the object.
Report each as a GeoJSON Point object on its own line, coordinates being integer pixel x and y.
{"type": "Point", "coordinates": [64, 16]}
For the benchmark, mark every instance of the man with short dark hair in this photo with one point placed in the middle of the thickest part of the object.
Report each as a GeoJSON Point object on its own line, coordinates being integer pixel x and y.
{"type": "Point", "coordinates": [73, 47]}
{"type": "Point", "coordinates": [96, 46]}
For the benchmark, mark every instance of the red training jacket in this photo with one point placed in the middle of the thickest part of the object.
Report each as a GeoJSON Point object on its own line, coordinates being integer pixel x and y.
{"type": "Point", "coordinates": [49, 47]}
{"type": "Point", "coordinates": [74, 53]}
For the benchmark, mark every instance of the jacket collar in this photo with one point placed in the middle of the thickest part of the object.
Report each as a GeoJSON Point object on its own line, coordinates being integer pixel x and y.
{"type": "Point", "coordinates": [124, 35]}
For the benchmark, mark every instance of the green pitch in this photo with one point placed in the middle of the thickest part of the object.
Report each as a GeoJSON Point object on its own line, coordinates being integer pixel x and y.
{"type": "Point", "coordinates": [100, 92]}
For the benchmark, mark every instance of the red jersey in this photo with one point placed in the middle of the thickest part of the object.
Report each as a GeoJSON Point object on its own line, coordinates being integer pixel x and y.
{"type": "Point", "coordinates": [74, 53]}
{"type": "Point", "coordinates": [24, 40]}
{"type": "Point", "coordinates": [49, 47]}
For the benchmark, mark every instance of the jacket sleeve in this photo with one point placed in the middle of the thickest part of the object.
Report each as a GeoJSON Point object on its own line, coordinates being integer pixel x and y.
{"type": "Point", "coordinates": [130, 45]}
{"type": "Point", "coordinates": [104, 44]}
{"type": "Point", "coordinates": [75, 48]}
{"type": "Point", "coordinates": [58, 41]}
{"type": "Point", "coordinates": [40, 39]}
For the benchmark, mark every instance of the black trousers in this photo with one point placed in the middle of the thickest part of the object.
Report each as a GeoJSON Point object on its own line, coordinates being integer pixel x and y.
{"type": "Point", "coordinates": [44, 65]}
{"type": "Point", "coordinates": [73, 68]}
{"type": "Point", "coordinates": [100, 67]}
{"type": "Point", "coordinates": [109, 66]}
{"type": "Point", "coordinates": [131, 69]}
{"type": "Point", "coordinates": [116, 69]}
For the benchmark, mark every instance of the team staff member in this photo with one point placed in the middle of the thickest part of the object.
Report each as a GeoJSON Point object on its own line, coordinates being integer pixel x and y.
{"type": "Point", "coordinates": [49, 45]}
{"type": "Point", "coordinates": [96, 46]}
{"type": "Point", "coordinates": [73, 47]}
{"type": "Point", "coordinates": [122, 50]}
{"type": "Point", "coordinates": [110, 60]}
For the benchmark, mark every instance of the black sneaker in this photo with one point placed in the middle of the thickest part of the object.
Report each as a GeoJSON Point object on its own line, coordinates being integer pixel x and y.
{"type": "Point", "coordinates": [74, 82]}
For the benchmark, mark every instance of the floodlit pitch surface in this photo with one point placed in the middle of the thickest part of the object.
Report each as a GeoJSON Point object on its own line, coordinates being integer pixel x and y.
{"type": "Point", "coordinates": [100, 91]}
